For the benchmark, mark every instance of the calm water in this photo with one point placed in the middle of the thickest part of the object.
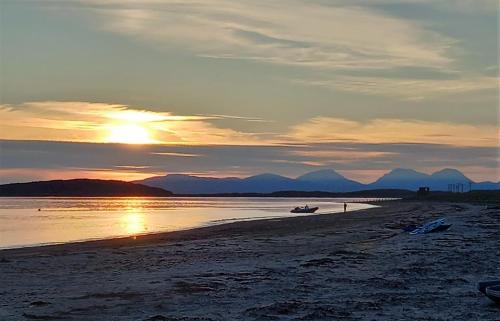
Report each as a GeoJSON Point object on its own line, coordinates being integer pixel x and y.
{"type": "Point", "coordinates": [65, 219]}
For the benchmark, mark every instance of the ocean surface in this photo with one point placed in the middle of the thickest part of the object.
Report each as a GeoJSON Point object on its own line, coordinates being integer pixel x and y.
{"type": "Point", "coordinates": [27, 221]}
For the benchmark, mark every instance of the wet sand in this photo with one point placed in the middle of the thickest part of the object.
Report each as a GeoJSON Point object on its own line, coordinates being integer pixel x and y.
{"type": "Point", "coordinates": [352, 266]}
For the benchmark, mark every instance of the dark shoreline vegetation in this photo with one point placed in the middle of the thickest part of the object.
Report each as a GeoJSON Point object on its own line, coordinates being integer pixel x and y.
{"type": "Point", "coordinates": [482, 196]}
{"type": "Point", "coordinates": [115, 188]}
{"type": "Point", "coordinates": [375, 193]}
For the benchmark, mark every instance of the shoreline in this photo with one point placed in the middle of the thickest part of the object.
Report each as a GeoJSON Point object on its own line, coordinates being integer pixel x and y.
{"type": "Point", "coordinates": [165, 236]}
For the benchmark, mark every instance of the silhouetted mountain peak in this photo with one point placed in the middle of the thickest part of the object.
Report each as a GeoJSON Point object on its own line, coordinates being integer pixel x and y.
{"type": "Point", "coordinates": [266, 177]}
{"type": "Point", "coordinates": [321, 175]}
{"type": "Point", "coordinates": [404, 173]}
{"type": "Point", "coordinates": [179, 176]}
{"type": "Point", "coordinates": [321, 180]}
{"type": "Point", "coordinates": [450, 174]}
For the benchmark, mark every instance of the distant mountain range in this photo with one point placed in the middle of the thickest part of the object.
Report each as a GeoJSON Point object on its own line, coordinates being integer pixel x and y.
{"type": "Point", "coordinates": [81, 187]}
{"type": "Point", "coordinates": [323, 180]}
{"type": "Point", "coordinates": [398, 181]}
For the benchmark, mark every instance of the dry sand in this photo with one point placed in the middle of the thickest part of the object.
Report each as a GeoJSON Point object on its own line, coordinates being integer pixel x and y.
{"type": "Point", "coordinates": [353, 266]}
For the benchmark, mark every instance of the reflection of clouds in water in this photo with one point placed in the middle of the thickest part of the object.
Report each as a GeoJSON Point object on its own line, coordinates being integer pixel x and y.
{"type": "Point", "coordinates": [134, 222]}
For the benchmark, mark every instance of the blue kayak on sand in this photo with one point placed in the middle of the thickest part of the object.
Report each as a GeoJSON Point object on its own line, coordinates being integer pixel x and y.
{"type": "Point", "coordinates": [434, 226]}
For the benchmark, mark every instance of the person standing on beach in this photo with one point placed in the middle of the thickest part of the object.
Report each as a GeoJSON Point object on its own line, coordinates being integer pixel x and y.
{"type": "Point", "coordinates": [345, 207]}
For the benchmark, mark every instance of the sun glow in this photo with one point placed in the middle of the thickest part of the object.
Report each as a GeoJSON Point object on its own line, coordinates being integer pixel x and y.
{"type": "Point", "coordinates": [129, 134]}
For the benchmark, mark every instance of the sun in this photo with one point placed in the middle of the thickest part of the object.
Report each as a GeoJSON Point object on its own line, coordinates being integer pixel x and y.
{"type": "Point", "coordinates": [129, 134]}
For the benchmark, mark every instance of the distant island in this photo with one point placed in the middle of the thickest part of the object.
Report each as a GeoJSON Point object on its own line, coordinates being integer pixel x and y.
{"type": "Point", "coordinates": [81, 188]}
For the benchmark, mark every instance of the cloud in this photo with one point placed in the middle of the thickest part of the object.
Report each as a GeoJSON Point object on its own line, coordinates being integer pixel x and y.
{"type": "Point", "coordinates": [98, 122]}
{"type": "Point", "coordinates": [321, 37]}
{"type": "Point", "coordinates": [464, 6]}
{"type": "Point", "coordinates": [298, 33]}
{"type": "Point", "coordinates": [175, 154]}
{"type": "Point", "coordinates": [342, 155]}
{"type": "Point", "coordinates": [405, 88]}
{"type": "Point", "coordinates": [30, 160]}
{"type": "Point", "coordinates": [326, 129]}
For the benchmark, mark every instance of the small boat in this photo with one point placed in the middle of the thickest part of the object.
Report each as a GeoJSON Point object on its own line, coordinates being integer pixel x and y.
{"type": "Point", "coordinates": [305, 209]}
{"type": "Point", "coordinates": [491, 289]}
{"type": "Point", "coordinates": [434, 226]}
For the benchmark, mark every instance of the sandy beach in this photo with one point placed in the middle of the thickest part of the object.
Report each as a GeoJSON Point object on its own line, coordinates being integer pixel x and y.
{"type": "Point", "coordinates": [352, 266]}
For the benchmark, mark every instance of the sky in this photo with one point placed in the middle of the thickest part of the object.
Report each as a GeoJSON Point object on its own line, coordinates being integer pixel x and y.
{"type": "Point", "coordinates": [128, 89]}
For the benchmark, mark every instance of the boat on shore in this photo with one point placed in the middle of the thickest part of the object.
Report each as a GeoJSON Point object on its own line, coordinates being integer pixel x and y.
{"type": "Point", "coordinates": [305, 209]}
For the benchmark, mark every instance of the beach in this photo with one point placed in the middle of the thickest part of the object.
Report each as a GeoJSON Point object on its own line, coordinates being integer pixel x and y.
{"type": "Point", "coordinates": [346, 266]}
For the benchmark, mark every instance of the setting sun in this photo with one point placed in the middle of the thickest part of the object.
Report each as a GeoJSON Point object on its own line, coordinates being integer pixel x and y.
{"type": "Point", "coordinates": [129, 134]}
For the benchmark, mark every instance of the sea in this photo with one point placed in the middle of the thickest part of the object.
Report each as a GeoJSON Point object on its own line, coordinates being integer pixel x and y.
{"type": "Point", "coordinates": [30, 221]}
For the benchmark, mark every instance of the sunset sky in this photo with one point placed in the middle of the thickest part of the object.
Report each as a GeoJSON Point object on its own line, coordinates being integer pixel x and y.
{"type": "Point", "coordinates": [128, 89]}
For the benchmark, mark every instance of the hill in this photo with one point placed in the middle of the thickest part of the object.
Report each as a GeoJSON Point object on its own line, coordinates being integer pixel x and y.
{"type": "Point", "coordinates": [81, 187]}
{"type": "Point", "coordinates": [326, 180]}
{"type": "Point", "coordinates": [401, 178]}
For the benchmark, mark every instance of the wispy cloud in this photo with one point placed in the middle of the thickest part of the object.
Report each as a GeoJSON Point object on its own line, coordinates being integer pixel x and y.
{"type": "Point", "coordinates": [95, 122]}
{"type": "Point", "coordinates": [342, 155]}
{"type": "Point", "coordinates": [405, 88]}
{"type": "Point", "coordinates": [299, 33]}
{"type": "Point", "coordinates": [326, 129]}
{"type": "Point", "coordinates": [320, 37]}
{"type": "Point", "coordinates": [175, 154]}
{"type": "Point", "coordinates": [466, 6]}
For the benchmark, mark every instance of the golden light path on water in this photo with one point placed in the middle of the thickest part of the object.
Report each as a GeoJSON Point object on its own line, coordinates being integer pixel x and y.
{"type": "Point", "coordinates": [134, 223]}
{"type": "Point", "coordinates": [133, 220]}
{"type": "Point", "coordinates": [67, 219]}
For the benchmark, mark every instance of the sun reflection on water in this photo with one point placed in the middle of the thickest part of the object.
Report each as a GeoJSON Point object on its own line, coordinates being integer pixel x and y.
{"type": "Point", "coordinates": [134, 223]}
